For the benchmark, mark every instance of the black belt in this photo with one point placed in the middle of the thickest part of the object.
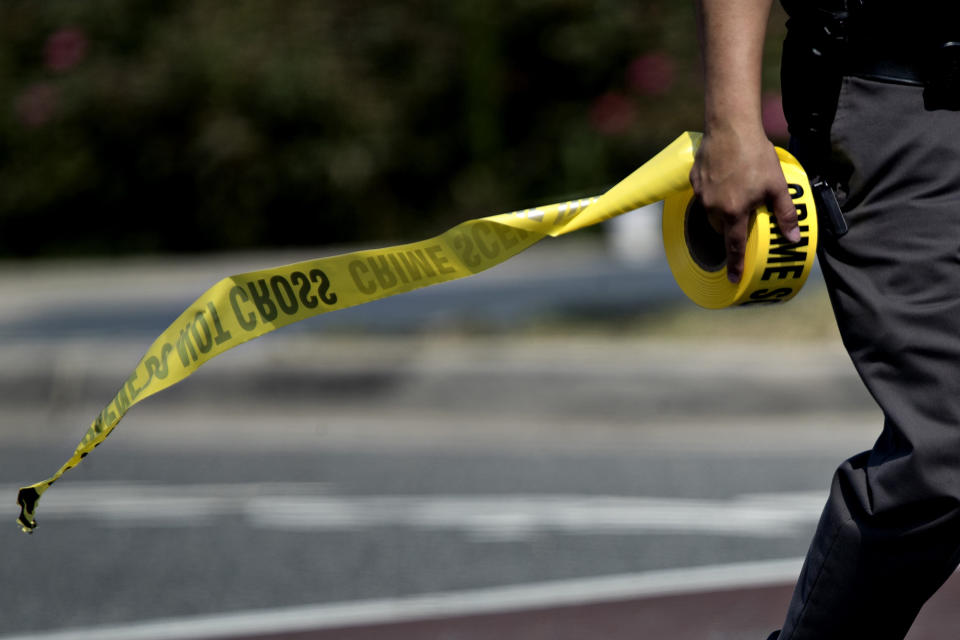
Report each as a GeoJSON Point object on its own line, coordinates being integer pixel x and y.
{"type": "Point", "coordinates": [934, 67]}
{"type": "Point", "coordinates": [887, 68]}
{"type": "Point", "coordinates": [881, 53]}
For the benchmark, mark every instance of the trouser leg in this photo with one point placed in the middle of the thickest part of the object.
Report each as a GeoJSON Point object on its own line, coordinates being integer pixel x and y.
{"type": "Point", "coordinates": [889, 535]}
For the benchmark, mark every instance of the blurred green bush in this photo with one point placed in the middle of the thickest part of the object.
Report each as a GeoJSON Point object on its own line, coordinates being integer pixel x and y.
{"type": "Point", "coordinates": [135, 125]}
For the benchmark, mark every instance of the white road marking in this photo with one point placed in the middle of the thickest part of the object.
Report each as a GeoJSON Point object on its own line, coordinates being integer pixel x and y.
{"type": "Point", "coordinates": [431, 606]}
{"type": "Point", "coordinates": [514, 516]}
{"type": "Point", "coordinates": [315, 507]}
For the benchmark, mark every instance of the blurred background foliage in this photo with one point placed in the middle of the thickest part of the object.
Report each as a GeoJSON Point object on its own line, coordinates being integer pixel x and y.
{"type": "Point", "coordinates": [198, 125]}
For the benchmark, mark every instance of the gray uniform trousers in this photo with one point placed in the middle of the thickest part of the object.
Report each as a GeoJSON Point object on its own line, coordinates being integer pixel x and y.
{"type": "Point", "coordinates": [889, 535]}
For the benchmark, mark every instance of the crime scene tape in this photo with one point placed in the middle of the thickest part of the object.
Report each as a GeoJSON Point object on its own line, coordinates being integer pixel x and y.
{"type": "Point", "coordinates": [774, 269]}
{"type": "Point", "coordinates": [248, 305]}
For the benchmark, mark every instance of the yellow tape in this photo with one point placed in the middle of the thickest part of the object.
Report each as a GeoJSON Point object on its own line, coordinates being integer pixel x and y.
{"type": "Point", "coordinates": [774, 269]}
{"type": "Point", "coordinates": [246, 306]}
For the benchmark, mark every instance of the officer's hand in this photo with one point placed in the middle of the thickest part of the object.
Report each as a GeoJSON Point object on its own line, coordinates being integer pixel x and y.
{"type": "Point", "coordinates": [734, 173]}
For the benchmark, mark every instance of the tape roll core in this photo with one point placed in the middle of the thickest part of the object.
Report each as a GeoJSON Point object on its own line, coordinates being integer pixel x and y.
{"type": "Point", "coordinates": [703, 241]}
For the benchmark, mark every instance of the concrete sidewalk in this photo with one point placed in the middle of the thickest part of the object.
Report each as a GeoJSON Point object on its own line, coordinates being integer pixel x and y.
{"type": "Point", "coordinates": [454, 391]}
{"type": "Point", "coordinates": [71, 332]}
{"type": "Point", "coordinates": [139, 296]}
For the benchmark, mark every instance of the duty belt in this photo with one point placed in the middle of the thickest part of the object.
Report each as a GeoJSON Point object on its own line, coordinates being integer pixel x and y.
{"type": "Point", "coordinates": [915, 61]}
{"type": "Point", "coordinates": [909, 67]}
{"type": "Point", "coordinates": [883, 41]}
{"type": "Point", "coordinates": [935, 67]}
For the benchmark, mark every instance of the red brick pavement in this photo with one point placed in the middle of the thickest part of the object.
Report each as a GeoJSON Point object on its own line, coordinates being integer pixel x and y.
{"type": "Point", "coordinates": [736, 614]}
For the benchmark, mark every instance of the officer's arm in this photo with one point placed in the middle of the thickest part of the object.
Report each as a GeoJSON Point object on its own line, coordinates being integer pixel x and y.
{"type": "Point", "coordinates": [736, 169]}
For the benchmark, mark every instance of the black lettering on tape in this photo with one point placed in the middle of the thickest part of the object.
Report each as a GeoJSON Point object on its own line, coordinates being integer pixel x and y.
{"type": "Point", "coordinates": [185, 348]}
{"type": "Point", "coordinates": [261, 300]}
{"type": "Point", "coordinates": [489, 250]}
{"type": "Point", "coordinates": [358, 270]}
{"type": "Point", "coordinates": [398, 268]}
{"type": "Point", "coordinates": [165, 351]}
{"type": "Point", "coordinates": [249, 321]}
{"type": "Point", "coordinates": [299, 278]}
{"type": "Point", "coordinates": [767, 296]}
{"type": "Point", "coordinates": [204, 342]}
{"type": "Point", "coordinates": [464, 248]}
{"type": "Point", "coordinates": [783, 272]}
{"type": "Point", "coordinates": [121, 401]}
{"type": "Point", "coordinates": [506, 235]}
{"type": "Point", "coordinates": [323, 288]}
{"type": "Point", "coordinates": [381, 270]}
{"type": "Point", "coordinates": [796, 191]}
{"type": "Point", "coordinates": [776, 234]}
{"type": "Point", "coordinates": [221, 336]}
{"type": "Point", "coordinates": [283, 294]}
{"type": "Point", "coordinates": [440, 261]}
{"type": "Point", "coordinates": [132, 388]}
{"type": "Point", "coordinates": [782, 251]}
{"type": "Point", "coordinates": [157, 367]}
{"type": "Point", "coordinates": [408, 267]}
{"type": "Point", "coordinates": [418, 263]}
{"type": "Point", "coordinates": [152, 365]}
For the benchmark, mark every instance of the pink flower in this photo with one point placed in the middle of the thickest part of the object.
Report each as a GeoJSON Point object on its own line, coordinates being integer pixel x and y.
{"type": "Point", "coordinates": [65, 49]}
{"type": "Point", "coordinates": [771, 111]}
{"type": "Point", "coordinates": [37, 104]}
{"type": "Point", "coordinates": [651, 74]}
{"type": "Point", "coordinates": [612, 113]}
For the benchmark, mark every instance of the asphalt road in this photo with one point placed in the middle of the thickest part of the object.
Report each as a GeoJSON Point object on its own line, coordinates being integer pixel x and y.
{"type": "Point", "coordinates": [273, 479]}
{"type": "Point", "coordinates": [330, 467]}
{"type": "Point", "coordinates": [138, 536]}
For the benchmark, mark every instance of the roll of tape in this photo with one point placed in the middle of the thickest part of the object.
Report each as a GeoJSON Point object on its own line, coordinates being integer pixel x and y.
{"type": "Point", "coordinates": [774, 269]}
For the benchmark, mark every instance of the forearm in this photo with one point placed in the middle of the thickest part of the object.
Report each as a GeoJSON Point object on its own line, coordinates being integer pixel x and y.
{"type": "Point", "coordinates": [732, 34]}
{"type": "Point", "coordinates": [736, 169]}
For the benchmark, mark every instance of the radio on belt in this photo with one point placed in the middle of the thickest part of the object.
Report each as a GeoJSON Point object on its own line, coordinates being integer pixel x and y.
{"type": "Point", "coordinates": [829, 208]}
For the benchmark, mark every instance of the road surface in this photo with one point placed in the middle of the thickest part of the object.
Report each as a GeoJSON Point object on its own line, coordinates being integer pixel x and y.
{"type": "Point", "coordinates": [412, 481]}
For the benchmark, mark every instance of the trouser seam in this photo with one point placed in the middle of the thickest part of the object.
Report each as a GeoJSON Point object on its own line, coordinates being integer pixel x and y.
{"type": "Point", "coordinates": [816, 580]}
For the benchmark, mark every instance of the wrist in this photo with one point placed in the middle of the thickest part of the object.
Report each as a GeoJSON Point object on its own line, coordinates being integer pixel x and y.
{"type": "Point", "coordinates": [737, 121]}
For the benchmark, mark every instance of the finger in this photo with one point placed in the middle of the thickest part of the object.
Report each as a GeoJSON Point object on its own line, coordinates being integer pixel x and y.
{"type": "Point", "coordinates": [695, 177]}
{"type": "Point", "coordinates": [786, 214]}
{"type": "Point", "coordinates": [735, 235]}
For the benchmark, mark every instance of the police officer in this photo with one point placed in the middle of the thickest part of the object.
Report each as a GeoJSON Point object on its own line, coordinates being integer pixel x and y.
{"type": "Point", "coordinates": [871, 89]}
